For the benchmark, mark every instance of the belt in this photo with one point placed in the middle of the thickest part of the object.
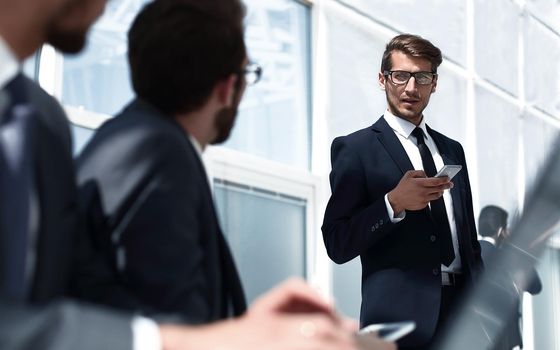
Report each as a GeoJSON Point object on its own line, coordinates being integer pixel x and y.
{"type": "Point", "coordinates": [451, 279]}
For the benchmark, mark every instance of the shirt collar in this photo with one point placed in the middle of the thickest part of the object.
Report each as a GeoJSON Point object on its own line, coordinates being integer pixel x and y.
{"type": "Point", "coordinates": [9, 65]}
{"type": "Point", "coordinates": [403, 126]}
{"type": "Point", "coordinates": [196, 145]}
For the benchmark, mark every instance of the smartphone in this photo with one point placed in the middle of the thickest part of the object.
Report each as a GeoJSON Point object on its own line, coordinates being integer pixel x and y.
{"type": "Point", "coordinates": [449, 170]}
{"type": "Point", "coordinates": [389, 331]}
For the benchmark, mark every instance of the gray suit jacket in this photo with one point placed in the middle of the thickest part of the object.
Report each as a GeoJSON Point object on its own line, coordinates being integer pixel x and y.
{"type": "Point", "coordinates": [39, 322]}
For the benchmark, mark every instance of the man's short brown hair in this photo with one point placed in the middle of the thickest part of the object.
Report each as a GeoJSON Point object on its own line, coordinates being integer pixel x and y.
{"type": "Point", "coordinates": [412, 45]}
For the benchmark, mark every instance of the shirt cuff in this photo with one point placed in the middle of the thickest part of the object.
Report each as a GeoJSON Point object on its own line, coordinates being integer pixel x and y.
{"type": "Point", "coordinates": [394, 219]}
{"type": "Point", "coordinates": [145, 334]}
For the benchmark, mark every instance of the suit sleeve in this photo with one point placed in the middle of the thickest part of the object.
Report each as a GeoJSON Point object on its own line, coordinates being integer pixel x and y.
{"type": "Point", "coordinates": [353, 221]}
{"type": "Point", "coordinates": [63, 326]}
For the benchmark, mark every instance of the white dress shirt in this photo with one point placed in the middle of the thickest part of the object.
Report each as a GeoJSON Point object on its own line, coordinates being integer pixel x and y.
{"type": "Point", "coordinates": [403, 130]}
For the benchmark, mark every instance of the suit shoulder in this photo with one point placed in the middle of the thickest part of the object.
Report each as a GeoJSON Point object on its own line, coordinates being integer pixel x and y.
{"type": "Point", "coordinates": [356, 138]}
{"type": "Point", "coordinates": [49, 111]}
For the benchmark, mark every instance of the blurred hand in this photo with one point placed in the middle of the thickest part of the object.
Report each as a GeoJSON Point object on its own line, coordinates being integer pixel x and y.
{"type": "Point", "coordinates": [290, 317]}
{"type": "Point", "coordinates": [415, 191]}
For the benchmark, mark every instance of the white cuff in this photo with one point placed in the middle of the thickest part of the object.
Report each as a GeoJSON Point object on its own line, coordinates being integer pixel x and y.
{"type": "Point", "coordinates": [394, 219]}
{"type": "Point", "coordinates": [145, 334]}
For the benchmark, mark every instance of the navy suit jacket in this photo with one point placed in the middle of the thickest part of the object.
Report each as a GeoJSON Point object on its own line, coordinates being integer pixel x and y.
{"type": "Point", "coordinates": [400, 263]}
{"type": "Point", "coordinates": [148, 203]}
{"type": "Point", "coordinates": [46, 320]}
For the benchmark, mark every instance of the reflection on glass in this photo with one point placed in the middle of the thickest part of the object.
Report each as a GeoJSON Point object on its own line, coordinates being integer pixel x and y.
{"type": "Point", "coordinates": [266, 233]}
{"type": "Point", "coordinates": [98, 79]}
{"type": "Point", "coordinates": [274, 118]}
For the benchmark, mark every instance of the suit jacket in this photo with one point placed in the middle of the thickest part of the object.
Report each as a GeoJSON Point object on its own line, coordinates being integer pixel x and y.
{"type": "Point", "coordinates": [401, 277]}
{"type": "Point", "coordinates": [46, 324]}
{"type": "Point", "coordinates": [511, 336]}
{"type": "Point", "coordinates": [148, 202]}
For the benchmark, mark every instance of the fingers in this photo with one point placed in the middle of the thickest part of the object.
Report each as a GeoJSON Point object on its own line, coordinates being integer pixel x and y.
{"type": "Point", "coordinates": [294, 296]}
{"type": "Point", "coordinates": [414, 174]}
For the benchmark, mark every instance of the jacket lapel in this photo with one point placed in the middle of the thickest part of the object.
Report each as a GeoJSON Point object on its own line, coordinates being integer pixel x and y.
{"type": "Point", "coordinates": [389, 140]}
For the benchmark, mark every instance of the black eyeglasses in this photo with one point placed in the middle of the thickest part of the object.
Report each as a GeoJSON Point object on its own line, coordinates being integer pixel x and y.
{"type": "Point", "coordinates": [253, 73]}
{"type": "Point", "coordinates": [401, 77]}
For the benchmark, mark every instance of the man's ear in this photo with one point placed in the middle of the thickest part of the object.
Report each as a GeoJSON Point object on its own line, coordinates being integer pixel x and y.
{"type": "Point", "coordinates": [381, 81]}
{"type": "Point", "coordinates": [225, 90]}
{"type": "Point", "coordinates": [434, 84]}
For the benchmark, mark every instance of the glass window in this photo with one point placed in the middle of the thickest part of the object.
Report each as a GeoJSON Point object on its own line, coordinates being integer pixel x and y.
{"type": "Point", "coordinates": [354, 98]}
{"type": "Point", "coordinates": [546, 305]}
{"type": "Point", "coordinates": [542, 67]}
{"type": "Point", "coordinates": [426, 18]}
{"type": "Point", "coordinates": [497, 17]}
{"type": "Point", "coordinates": [98, 79]}
{"type": "Point", "coordinates": [274, 117]}
{"type": "Point", "coordinates": [497, 132]}
{"type": "Point", "coordinates": [81, 137]}
{"type": "Point", "coordinates": [266, 232]}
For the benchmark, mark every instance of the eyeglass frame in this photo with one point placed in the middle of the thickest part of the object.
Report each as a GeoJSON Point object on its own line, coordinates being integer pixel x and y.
{"type": "Point", "coordinates": [389, 73]}
{"type": "Point", "coordinates": [250, 69]}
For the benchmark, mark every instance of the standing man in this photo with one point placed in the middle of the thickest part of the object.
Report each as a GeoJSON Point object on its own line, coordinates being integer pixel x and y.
{"type": "Point", "coordinates": [39, 223]}
{"type": "Point", "coordinates": [415, 234]}
{"type": "Point", "coordinates": [492, 226]}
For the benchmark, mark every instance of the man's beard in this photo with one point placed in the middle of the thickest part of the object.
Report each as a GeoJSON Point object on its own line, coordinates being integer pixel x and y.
{"type": "Point", "coordinates": [224, 122]}
{"type": "Point", "coordinates": [67, 42]}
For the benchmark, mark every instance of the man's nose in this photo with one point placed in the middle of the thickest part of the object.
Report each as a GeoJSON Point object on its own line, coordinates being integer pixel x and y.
{"type": "Point", "coordinates": [411, 85]}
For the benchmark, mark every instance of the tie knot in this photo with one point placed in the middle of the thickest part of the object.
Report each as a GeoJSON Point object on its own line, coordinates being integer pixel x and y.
{"type": "Point", "coordinates": [419, 134]}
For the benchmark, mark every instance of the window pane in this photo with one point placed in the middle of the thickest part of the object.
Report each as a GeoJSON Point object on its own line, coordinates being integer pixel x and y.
{"type": "Point", "coordinates": [98, 79]}
{"type": "Point", "coordinates": [426, 18]}
{"type": "Point", "coordinates": [266, 232]}
{"type": "Point", "coordinates": [497, 132]}
{"type": "Point", "coordinates": [80, 136]}
{"type": "Point", "coordinates": [274, 116]}
{"type": "Point", "coordinates": [497, 17]}
{"type": "Point", "coordinates": [542, 67]}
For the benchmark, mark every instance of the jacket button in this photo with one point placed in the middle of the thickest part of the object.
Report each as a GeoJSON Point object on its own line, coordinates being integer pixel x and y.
{"type": "Point", "coordinates": [376, 226]}
{"type": "Point", "coordinates": [380, 222]}
{"type": "Point", "coordinates": [435, 272]}
{"type": "Point", "coordinates": [372, 228]}
{"type": "Point", "coordinates": [433, 238]}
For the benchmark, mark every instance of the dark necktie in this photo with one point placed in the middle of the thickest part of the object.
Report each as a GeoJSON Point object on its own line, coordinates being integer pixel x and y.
{"type": "Point", "coordinates": [437, 206]}
{"type": "Point", "coordinates": [16, 186]}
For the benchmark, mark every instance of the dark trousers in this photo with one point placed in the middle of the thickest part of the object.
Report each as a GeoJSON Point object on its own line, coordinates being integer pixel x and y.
{"type": "Point", "coordinates": [450, 295]}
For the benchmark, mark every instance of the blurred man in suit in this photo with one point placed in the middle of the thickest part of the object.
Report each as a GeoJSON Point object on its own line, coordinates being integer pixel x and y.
{"type": "Point", "coordinates": [39, 223]}
{"type": "Point", "coordinates": [415, 234]}
{"type": "Point", "coordinates": [154, 218]}
{"type": "Point", "coordinates": [492, 226]}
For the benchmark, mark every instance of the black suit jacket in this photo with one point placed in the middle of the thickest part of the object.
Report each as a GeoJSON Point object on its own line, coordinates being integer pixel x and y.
{"type": "Point", "coordinates": [149, 205]}
{"type": "Point", "coordinates": [400, 263]}
{"type": "Point", "coordinates": [40, 321]}
{"type": "Point", "coordinates": [511, 336]}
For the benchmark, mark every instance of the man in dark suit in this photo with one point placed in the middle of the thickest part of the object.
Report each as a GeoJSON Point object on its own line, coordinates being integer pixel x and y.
{"type": "Point", "coordinates": [416, 240]}
{"type": "Point", "coordinates": [154, 218]}
{"type": "Point", "coordinates": [492, 226]}
{"type": "Point", "coordinates": [39, 231]}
